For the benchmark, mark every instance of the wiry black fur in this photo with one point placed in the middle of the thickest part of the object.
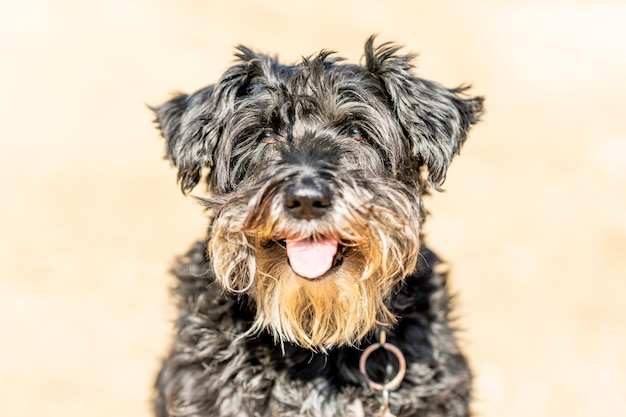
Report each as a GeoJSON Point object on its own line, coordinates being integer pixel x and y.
{"type": "Point", "coordinates": [412, 128]}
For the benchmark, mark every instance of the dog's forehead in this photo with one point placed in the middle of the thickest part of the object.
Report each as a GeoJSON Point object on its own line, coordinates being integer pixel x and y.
{"type": "Point", "coordinates": [317, 78]}
{"type": "Point", "coordinates": [313, 90]}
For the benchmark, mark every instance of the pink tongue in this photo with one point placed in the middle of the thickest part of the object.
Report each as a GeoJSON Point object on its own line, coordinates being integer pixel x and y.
{"type": "Point", "coordinates": [311, 258]}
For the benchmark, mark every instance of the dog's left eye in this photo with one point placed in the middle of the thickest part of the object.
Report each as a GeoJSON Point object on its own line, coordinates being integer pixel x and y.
{"type": "Point", "coordinates": [356, 133]}
{"type": "Point", "coordinates": [267, 137]}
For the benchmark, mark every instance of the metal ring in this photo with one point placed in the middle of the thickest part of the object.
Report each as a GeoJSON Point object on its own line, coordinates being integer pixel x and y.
{"type": "Point", "coordinates": [395, 382]}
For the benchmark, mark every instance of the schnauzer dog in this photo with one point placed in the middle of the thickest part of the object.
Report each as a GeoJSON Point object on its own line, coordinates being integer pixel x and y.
{"type": "Point", "coordinates": [314, 294]}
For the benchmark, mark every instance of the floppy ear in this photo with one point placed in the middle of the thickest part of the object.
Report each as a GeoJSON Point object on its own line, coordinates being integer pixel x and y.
{"type": "Point", "coordinates": [181, 123]}
{"type": "Point", "coordinates": [435, 119]}
{"type": "Point", "coordinates": [192, 124]}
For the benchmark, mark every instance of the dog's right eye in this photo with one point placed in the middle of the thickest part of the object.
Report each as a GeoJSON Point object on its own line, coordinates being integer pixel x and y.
{"type": "Point", "coordinates": [356, 133]}
{"type": "Point", "coordinates": [267, 137]}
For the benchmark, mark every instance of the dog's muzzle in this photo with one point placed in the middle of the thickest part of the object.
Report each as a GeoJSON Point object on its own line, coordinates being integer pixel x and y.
{"type": "Point", "coordinates": [309, 199]}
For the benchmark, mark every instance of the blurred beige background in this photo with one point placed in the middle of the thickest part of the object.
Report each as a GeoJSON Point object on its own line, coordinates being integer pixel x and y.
{"type": "Point", "coordinates": [533, 221]}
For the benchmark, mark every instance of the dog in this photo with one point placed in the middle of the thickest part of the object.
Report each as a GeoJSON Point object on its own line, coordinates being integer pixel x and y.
{"type": "Point", "coordinates": [314, 293]}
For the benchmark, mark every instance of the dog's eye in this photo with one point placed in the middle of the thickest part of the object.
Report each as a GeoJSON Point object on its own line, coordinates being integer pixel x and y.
{"type": "Point", "coordinates": [356, 133]}
{"type": "Point", "coordinates": [267, 137]}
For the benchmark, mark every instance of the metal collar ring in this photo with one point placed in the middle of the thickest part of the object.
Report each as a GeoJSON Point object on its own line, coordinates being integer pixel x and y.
{"type": "Point", "coordinates": [395, 382]}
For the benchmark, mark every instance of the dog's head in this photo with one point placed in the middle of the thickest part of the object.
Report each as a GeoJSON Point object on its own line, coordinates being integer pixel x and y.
{"type": "Point", "coordinates": [315, 173]}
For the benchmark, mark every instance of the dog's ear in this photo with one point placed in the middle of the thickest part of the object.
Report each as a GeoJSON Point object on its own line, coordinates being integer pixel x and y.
{"type": "Point", "coordinates": [435, 119]}
{"type": "Point", "coordinates": [181, 123]}
{"type": "Point", "coordinates": [192, 124]}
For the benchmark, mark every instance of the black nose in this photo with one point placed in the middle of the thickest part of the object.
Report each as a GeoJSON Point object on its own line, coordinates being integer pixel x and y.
{"type": "Point", "coordinates": [307, 200]}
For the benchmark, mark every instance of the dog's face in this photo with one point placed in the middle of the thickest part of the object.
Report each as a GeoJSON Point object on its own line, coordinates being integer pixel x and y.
{"type": "Point", "coordinates": [315, 173]}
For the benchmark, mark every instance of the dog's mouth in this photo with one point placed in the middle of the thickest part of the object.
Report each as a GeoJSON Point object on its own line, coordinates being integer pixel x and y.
{"type": "Point", "coordinates": [312, 258]}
